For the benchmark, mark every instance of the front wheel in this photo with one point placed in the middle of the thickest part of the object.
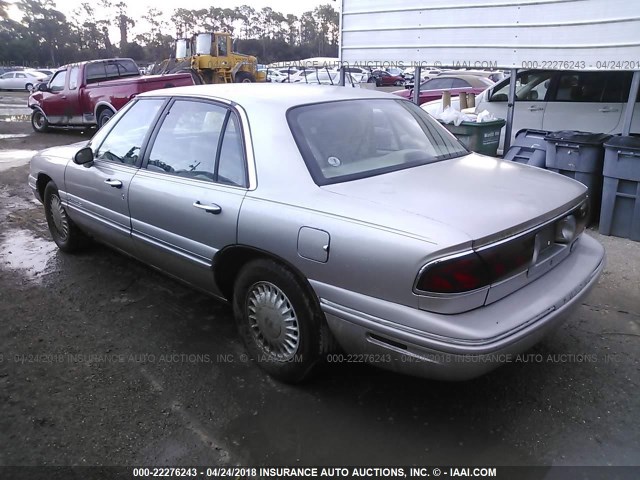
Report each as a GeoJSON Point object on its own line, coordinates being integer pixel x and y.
{"type": "Point", "coordinates": [29, 87]}
{"type": "Point", "coordinates": [244, 77]}
{"type": "Point", "coordinates": [63, 231]}
{"type": "Point", "coordinates": [39, 122]}
{"type": "Point", "coordinates": [279, 321]}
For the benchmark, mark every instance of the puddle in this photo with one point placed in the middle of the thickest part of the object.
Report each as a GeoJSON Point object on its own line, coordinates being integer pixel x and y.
{"type": "Point", "coordinates": [21, 251]}
{"type": "Point", "coordinates": [14, 158]}
{"type": "Point", "coordinates": [13, 135]}
{"type": "Point", "coordinates": [15, 118]}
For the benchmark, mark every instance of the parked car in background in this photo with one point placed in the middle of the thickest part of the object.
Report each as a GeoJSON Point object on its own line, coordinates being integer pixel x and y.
{"type": "Point", "coordinates": [331, 77]}
{"type": "Point", "coordinates": [564, 100]}
{"type": "Point", "coordinates": [399, 72]}
{"type": "Point", "coordinates": [358, 74]}
{"type": "Point", "coordinates": [425, 74]}
{"type": "Point", "coordinates": [273, 75]}
{"type": "Point", "coordinates": [383, 78]}
{"type": "Point", "coordinates": [493, 75]}
{"type": "Point", "coordinates": [20, 80]}
{"type": "Point", "coordinates": [45, 71]}
{"type": "Point", "coordinates": [90, 93]}
{"type": "Point", "coordinates": [476, 259]}
{"type": "Point", "coordinates": [433, 88]}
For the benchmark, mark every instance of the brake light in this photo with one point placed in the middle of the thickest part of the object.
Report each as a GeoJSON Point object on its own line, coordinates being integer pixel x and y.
{"type": "Point", "coordinates": [475, 270]}
{"type": "Point", "coordinates": [455, 275]}
{"type": "Point", "coordinates": [480, 268]}
{"type": "Point", "coordinates": [510, 258]}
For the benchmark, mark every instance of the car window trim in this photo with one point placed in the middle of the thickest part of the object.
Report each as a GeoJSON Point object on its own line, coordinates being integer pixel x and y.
{"type": "Point", "coordinates": [230, 107]}
{"type": "Point", "coordinates": [145, 140]}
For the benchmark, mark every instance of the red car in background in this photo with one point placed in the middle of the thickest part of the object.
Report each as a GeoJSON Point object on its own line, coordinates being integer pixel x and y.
{"type": "Point", "coordinates": [385, 79]}
{"type": "Point", "coordinates": [90, 93]}
{"type": "Point", "coordinates": [433, 88]}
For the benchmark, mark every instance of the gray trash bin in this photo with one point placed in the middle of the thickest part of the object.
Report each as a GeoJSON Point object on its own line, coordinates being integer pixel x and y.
{"type": "Point", "coordinates": [620, 214]}
{"type": "Point", "coordinates": [579, 155]}
{"type": "Point", "coordinates": [529, 147]}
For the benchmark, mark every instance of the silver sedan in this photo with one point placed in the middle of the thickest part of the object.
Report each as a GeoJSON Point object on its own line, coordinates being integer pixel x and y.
{"type": "Point", "coordinates": [330, 217]}
{"type": "Point", "coordinates": [22, 80]}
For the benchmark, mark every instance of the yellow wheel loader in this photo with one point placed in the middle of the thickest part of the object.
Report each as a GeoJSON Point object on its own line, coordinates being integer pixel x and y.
{"type": "Point", "coordinates": [211, 57]}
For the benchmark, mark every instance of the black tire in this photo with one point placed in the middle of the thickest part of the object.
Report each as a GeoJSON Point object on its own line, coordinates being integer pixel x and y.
{"type": "Point", "coordinates": [259, 322]}
{"type": "Point", "coordinates": [244, 77]}
{"type": "Point", "coordinates": [39, 122]}
{"type": "Point", "coordinates": [29, 87]}
{"type": "Point", "coordinates": [104, 117]}
{"type": "Point", "coordinates": [63, 231]}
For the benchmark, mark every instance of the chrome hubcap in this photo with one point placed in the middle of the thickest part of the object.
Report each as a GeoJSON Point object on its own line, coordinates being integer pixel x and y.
{"type": "Point", "coordinates": [59, 217]}
{"type": "Point", "coordinates": [39, 119]}
{"type": "Point", "coordinates": [273, 321]}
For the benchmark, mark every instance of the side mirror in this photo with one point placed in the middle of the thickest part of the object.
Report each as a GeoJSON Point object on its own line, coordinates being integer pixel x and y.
{"type": "Point", "coordinates": [84, 156]}
{"type": "Point", "coordinates": [42, 87]}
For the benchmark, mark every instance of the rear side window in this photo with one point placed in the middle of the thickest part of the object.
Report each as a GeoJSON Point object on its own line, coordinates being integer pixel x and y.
{"type": "Point", "coordinates": [581, 87]}
{"type": "Point", "coordinates": [109, 70]}
{"type": "Point", "coordinates": [437, 84]}
{"type": "Point", "coordinates": [74, 78]}
{"type": "Point", "coordinates": [459, 83]}
{"type": "Point", "coordinates": [95, 72]}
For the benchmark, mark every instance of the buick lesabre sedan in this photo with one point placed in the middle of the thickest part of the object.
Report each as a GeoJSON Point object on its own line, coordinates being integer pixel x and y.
{"type": "Point", "coordinates": [330, 214]}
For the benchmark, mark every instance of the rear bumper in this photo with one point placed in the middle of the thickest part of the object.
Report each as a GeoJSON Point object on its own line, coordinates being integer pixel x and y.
{"type": "Point", "coordinates": [388, 343]}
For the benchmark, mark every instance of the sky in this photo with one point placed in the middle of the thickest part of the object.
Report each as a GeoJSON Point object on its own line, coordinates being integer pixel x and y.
{"type": "Point", "coordinates": [139, 7]}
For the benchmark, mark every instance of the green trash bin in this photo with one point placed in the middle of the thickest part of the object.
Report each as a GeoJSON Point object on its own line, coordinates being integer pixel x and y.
{"type": "Point", "coordinates": [478, 137]}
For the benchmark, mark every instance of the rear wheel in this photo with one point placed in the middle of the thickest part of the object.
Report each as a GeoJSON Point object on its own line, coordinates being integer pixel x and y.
{"type": "Point", "coordinates": [104, 117]}
{"type": "Point", "coordinates": [279, 321]}
{"type": "Point", "coordinates": [244, 77]}
{"type": "Point", "coordinates": [39, 122]}
{"type": "Point", "coordinates": [63, 231]}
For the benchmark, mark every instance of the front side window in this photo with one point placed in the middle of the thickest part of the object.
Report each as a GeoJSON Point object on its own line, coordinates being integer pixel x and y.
{"type": "Point", "coordinates": [530, 86]}
{"type": "Point", "coordinates": [124, 141]}
{"type": "Point", "coordinates": [187, 142]}
{"type": "Point", "coordinates": [347, 140]}
{"type": "Point", "coordinates": [58, 81]}
{"type": "Point", "coordinates": [20, 75]}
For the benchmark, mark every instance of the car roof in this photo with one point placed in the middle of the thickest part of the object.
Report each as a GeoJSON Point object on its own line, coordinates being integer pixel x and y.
{"type": "Point", "coordinates": [474, 80]}
{"type": "Point", "coordinates": [281, 95]}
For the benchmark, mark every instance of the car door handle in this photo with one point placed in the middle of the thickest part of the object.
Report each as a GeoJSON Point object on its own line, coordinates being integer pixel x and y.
{"type": "Point", "coordinates": [607, 109]}
{"type": "Point", "coordinates": [213, 208]}
{"type": "Point", "coordinates": [113, 183]}
{"type": "Point", "coordinates": [533, 108]}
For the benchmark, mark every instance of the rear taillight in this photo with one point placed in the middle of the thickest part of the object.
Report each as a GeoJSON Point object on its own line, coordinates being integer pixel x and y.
{"type": "Point", "coordinates": [480, 268]}
{"type": "Point", "coordinates": [475, 270]}
{"type": "Point", "coordinates": [508, 259]}
{"type": "Point", "coordinates": [458, 274]}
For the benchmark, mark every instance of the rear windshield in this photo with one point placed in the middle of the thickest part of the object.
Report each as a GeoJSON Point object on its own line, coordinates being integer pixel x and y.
{"type": "Point", "coordinates": [110, 70]}
{"type": "Point", "coordinates": [347, 140]}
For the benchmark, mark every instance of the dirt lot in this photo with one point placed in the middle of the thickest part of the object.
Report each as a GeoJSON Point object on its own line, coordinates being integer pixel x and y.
{"type": "Point", "coordinates": [106, 362]}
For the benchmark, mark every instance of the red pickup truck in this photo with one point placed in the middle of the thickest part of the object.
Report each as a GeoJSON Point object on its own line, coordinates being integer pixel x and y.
{"type": "Point", "coordinates": [90, 93]}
